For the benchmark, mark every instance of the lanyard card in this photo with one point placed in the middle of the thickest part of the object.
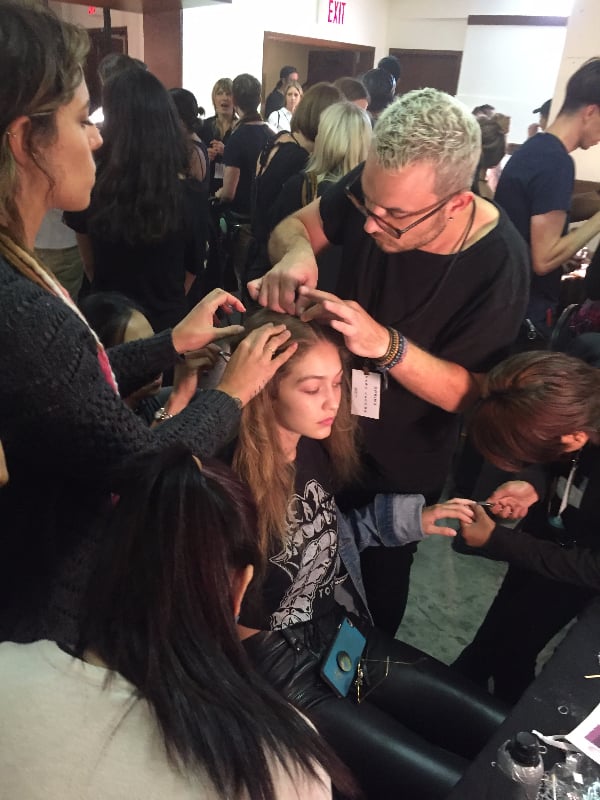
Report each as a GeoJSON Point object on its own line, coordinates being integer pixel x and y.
{"type": "Point", "coordinates": [366, 393]}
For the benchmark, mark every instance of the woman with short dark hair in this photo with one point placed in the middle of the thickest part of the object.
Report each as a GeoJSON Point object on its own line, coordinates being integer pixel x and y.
{"type": "Point", "coordinates": [539, 417]}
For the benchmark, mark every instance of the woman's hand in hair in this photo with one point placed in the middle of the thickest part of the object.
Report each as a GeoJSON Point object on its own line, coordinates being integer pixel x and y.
{"type": "Point", "coordinates": [477, 533]}
{"type": "Point", "coordinates": [188, 375]}
{"type": "Point", "coordinates": [255, 361]}
{"type": "Point", "coordinates": [513, 499]}
{"type": "Point", "coordinates": [458, 508]}
{"type": "Point", "coordinates": [201, 326]}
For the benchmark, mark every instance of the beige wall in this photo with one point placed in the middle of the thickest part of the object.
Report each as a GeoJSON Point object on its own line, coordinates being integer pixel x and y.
{"type": "Point", "coordinates": [225, 40]}
{"type": "Point", "coordinates": [119, 19]}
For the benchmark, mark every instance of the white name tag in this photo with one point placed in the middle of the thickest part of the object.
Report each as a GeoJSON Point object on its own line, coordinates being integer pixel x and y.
{"type": "Point", "coordinates": [219, 171]}
{"type": "Point", "coordinates": [366, 393]}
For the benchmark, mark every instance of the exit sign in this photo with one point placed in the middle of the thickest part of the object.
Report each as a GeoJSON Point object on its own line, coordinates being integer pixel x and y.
{"type": "Point", "coordinates": [332, 12]}
{"type": "Point", "coordinates": [91, 10]}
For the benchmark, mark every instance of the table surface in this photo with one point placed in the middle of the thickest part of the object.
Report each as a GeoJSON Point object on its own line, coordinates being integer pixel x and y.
{"type": "Point", "coordinates": [555, 703]}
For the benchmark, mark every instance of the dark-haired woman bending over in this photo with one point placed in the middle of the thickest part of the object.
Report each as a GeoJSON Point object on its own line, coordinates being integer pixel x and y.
{"type": "Point", "coordinates": [542, 410]}
{"type": "Point", "coordinates": [157, 700]}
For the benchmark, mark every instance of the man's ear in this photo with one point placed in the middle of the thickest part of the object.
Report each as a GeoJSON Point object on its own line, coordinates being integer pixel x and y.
{"type": "Point", "coordinates": [459, 202]}
{"type": "Point", "coordinates": [574, 441]}
{"type": "Point", "coordinates": [17, 134]}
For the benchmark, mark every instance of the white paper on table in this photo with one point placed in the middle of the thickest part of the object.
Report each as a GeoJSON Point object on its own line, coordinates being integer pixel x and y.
{"type": "Point", "coordinates": [586, 736]}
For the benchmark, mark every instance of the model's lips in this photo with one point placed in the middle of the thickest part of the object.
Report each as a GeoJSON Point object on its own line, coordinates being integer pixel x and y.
{"type": "Point", "coordinates": [328, 422]}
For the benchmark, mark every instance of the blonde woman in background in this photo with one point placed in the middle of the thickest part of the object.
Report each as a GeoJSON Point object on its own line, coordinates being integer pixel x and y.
{"type": "Point", "coordinates": [281, 120]}
{"type": "Point", "coordinates": [216, 130]}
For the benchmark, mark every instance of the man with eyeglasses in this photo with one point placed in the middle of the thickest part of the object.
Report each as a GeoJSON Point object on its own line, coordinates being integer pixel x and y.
{"type": "Point", "coordinates": [434, 282]}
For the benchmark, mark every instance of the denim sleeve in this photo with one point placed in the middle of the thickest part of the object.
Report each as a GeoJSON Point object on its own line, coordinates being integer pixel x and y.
{"type": "Point", "coordinates": [391, 520]}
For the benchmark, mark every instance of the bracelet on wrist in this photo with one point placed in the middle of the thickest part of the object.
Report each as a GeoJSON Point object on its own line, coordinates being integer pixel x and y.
{"type": "Point", "coordinates": [162, 414]}
{"type": "Point", "coordinates": [394, 354]}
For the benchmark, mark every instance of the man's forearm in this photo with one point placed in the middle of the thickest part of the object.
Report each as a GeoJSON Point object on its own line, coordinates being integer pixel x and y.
{"type": "Point", "coordinates": [565, 247]}
{"type": "Point", "coordinates": [584, 206]}
{"type": "Point", "coordinates": [441, 383]}
{"type": "Point", "coordinates": [290, 236]}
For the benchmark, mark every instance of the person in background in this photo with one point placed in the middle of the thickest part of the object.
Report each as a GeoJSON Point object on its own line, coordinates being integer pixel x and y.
{"type": "Point", "coordinates": [426, 266]}
{"type": "Point", "coordinates": [538, 417]}
{"type": "Point", "coordinates": [157, 698]}
{"type": "Point", "coordinates": [411, 724]}
{"type": "Point", "coordinates": [281, 120]}
{"type": "Point", "coordinates": [485, 110]}
{"type": "Point", "coordinates": [276, 100]}
{"type": "Point", "coordinates": [353, 90]}
{"type": "Point", "coordinates": [493, 149]}
{"type": "Point", "coordinates": [391, 64]}
{"type": "Point", "coordinates": [116, 319]}
{"type": "Point", "coordinates": [281, 158]}
{"type": "Point", "coordinates": [381, 86]}
{"type": "Point", "coordinates": [216, 130]}
{"type": "Point", "coordinates": [56, 247]}
{"type": "Point", "coordinates": [536, 187]}
{"type": "Point", "coordinates": [109, 66]}
{"type": "Point", "coordinates": [542, 124]}
{"type": "Point", "coordinates": [144, 233]}
{"type": "Point", "coordinates": [64, 428]}
{"type": "Point", "coordinates": [187, 108]}
{"type": "Point", "coordinates": [246, 142]}
{"type": "Point", "coordinates": [342, 143]}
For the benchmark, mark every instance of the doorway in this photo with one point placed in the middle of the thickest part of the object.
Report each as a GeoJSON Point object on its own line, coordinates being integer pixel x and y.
{"type": "Point", "coordinates": [438, 69]}
{"type": "Point", "coordinates": [315, 59]}
{"type": "Point", "coordinates": [100, 46]}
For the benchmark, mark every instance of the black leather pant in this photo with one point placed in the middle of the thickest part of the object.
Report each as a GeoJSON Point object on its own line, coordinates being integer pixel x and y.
{"type": "Point", "coordinates": [414, 734]}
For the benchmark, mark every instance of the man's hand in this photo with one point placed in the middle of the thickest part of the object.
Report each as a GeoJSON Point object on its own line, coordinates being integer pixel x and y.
{"type": "Point", "coordinates": [457, 508]}
{"type": "Point", "coordinates": [278, 287]}
{"type": "Point", "coordinates": [363, 335]}
{"type": "Point", "coordinates": [200, 326]}
{"type": "Point", "coordinates": [478, 532]}
{"type": "Point", "coordinates": [513, 499]}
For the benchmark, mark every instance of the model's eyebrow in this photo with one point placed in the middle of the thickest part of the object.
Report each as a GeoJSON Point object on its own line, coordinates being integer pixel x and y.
{"type": "Point", "coordinates": [318, 377]}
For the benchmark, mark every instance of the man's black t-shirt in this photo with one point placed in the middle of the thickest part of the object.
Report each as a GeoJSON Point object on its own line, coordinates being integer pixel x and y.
{"type": "Point", "coordinates": [465, 309]}
{"type": "Point", "coordinates": [242, 151]}
{"type": "Point", "coordinates": [538, 179]}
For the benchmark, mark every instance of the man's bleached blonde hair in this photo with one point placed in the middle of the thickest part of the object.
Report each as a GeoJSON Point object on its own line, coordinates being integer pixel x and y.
{"type": "Point", "coordinates": [429, 125]}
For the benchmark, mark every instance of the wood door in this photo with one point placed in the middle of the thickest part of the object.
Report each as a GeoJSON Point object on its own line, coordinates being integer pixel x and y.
{"type": "Point", "coordinates": [100, 47]}
{"type": "Point", "coordinates": [436, 68]}
{"type": "Point", "coordinates": [328, 65]}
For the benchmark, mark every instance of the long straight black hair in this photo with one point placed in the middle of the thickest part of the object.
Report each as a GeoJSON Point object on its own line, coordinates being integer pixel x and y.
{"type": "Point", "coordinates": [138, 191]}
{"type": "Point", "coordinates": [160, 612]}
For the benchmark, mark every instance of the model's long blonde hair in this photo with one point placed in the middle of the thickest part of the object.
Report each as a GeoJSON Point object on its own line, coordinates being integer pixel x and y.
{"type": "Point", "coordinates": [259, 458]}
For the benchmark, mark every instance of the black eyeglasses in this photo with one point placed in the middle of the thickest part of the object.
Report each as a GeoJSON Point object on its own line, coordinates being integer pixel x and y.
{"type": "Point", "coordinates": [397, 233]}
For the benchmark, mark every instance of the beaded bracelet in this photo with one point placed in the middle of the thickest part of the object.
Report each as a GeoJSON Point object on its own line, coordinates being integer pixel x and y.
{"type": "Point", "coordinates": [395, 353]}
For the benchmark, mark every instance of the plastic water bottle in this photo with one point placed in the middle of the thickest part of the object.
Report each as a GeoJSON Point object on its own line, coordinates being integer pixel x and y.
{"type": "Point", "coordinates": [519, 769]}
